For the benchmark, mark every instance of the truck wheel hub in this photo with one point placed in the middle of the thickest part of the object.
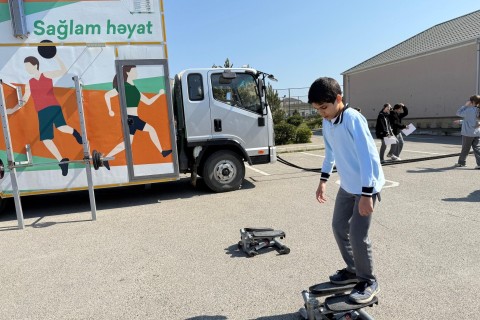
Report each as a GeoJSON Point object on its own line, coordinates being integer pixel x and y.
{"type": "Point", "coordinates": [225, 171]}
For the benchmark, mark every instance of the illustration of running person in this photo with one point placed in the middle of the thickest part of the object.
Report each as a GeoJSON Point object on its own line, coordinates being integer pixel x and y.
{"type": "Point", "coordinates": [40, 88]}
{"type": "Point", "coordinates": [133, 97]}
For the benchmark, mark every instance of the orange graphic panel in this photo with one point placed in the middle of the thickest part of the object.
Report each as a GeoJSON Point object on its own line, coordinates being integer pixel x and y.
{"type": "Point", "coordinates": [104, 132]}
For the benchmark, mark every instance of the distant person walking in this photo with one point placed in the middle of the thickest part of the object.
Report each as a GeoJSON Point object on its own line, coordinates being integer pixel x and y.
{"type": "Point", "coordinates": [470, 113]}
{"type": "Point", "coordinates": [383, 129]}
{"type": "Point", "coordinates": [399, 112]}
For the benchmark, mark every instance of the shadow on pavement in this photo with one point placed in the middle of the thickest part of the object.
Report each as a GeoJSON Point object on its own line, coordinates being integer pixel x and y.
{"type": "Point", "coordinates": [208, 318]}
{"type": "Point", "coordinates": [472, 197]}
{"type": "Point", "coordinates": [235, 252]}
{"type": "Point", "coordinates": [40, 206]}
{"type": "Point", "coordinates": [431, 170]}
{"type": "Point", "coordinates": [289, 316]}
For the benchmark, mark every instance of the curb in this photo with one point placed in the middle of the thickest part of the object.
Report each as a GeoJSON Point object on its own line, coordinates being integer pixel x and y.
{"type": "Point", "coordinates": [298, 148]}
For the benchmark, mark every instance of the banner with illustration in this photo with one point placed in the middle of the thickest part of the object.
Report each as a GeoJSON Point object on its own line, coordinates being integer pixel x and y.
{"type": "Point", "coordinates": [42, 110]}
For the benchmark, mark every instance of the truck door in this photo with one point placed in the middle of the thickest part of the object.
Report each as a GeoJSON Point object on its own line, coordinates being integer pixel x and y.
{"type": "Point", "coordinates": [237, 112]}
{"type": "Point", "coordinates": [149, 142]}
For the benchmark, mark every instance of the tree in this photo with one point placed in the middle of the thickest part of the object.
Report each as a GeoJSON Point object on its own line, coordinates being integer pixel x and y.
{"type": "Point", "coordinates": [226, 64]}
{"type": "Point", "coordinates": [272, 98]}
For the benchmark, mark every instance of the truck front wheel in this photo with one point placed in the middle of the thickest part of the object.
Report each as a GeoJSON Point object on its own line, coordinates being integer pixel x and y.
{"type": "Point", "coordinates": [224, 171]}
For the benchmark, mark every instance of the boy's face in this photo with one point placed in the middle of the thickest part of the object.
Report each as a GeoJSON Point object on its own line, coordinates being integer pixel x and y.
{"type": "Point", "coordinates": [329, 110]}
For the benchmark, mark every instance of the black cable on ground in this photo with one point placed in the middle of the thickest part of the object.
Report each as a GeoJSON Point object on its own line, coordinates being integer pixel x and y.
{"type": "Point", "coordinates": [389, 163]}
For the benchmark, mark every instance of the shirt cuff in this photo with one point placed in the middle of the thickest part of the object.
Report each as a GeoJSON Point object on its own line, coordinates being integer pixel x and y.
{"type": "Point", "coordinates": [367, 191]}
{"type": "Point", "coordinates": [325, 176]}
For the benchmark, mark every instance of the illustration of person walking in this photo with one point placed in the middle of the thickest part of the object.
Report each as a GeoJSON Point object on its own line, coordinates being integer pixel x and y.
{"type": "Point", "coordinates": [133, 97]}
{"type": "Point", "coordinates": [49, 111]}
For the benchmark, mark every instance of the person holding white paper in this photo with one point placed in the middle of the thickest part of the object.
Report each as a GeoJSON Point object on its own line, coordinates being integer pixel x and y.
{"type": "Point", "coordinates": [470, 113]}
{"type": "Point", "coordinates": [383, 129]}
{"type": "Point", "coordinates": [399, 112]}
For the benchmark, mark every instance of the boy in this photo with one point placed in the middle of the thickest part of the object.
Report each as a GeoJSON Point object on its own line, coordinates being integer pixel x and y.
{"type": "Point", "coordinates": [350, 146]}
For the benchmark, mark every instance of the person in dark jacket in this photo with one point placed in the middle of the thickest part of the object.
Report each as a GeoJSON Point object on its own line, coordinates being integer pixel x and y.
{"type": "Point", "coordinates": [383, 129]}
{"type": "Point", "coordinates": [399, 112]}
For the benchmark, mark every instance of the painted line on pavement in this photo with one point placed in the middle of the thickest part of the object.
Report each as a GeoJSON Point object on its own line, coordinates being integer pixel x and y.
{"type": "Point", "coordinates": [441, 154]}
{"type": "Point", "coordinates": [256, 170]}
{"type": "Point", "coordinates": [311, 154]}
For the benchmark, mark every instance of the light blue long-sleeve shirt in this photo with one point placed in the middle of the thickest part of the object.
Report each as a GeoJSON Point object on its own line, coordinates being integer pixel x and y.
{"type": "Point", "coordinates": [470, 123]}
{"type": "Point", "coordinates": [349, 145]}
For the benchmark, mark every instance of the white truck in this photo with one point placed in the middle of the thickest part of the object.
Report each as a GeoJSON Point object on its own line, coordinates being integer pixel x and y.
{"type": "Point", "coordinates": [78, 76]}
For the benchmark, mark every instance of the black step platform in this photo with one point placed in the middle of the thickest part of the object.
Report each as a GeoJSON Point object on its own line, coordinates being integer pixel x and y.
{"type": "Point", "coordinates": [257, 229]}
{"type": "Point", "coordinates": [343, 303]}
{"type": "Point", "coordinates": [328, 288]}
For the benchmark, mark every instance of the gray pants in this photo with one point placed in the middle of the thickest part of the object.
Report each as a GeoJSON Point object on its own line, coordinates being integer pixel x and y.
{"type": "Point", "coordinates": [467, 143]}
{"type": "Point", "coordinates": [396, 149]}
{"type": "Point", "coordinates": [382, 150]}
{"type": "Point", "coordinates": [351, 232]}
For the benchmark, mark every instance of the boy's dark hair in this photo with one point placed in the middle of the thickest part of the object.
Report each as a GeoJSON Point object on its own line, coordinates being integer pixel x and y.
{"type": "Point", "coordinates": [324, 90]}
{"type": "Point", "coordinates": [398, 106]}
{"type": "Point", "coordinates": [32, 61]}
{"type": "Point", "coordinates": [475, 99]}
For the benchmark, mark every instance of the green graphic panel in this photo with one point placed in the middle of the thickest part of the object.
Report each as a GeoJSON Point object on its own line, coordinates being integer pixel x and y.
{"type": "Point", "coordinates": [34, 7]}
{"type": "Point", "coordinates": [30, 7]}
{"type": "Point", "coordinates": [4, 12]}
{"type": "Point", "coordinates": [146, 85]}
{"type": "Point", "coordinates": [47, 163]}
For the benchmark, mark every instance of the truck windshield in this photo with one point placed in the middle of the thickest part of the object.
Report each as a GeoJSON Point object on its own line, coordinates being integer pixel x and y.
{"type": "Point", "coordinates": [241, 92]}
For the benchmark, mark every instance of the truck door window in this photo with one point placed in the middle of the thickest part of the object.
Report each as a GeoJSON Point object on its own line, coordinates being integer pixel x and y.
{"type": "Point", "coordinates": [241, 92]}
{"type": "Point", "coordinates": [195, 87]}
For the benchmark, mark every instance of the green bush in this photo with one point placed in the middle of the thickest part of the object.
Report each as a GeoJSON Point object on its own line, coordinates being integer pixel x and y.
{"type": "Point", "coordinates": [284, 133]}
{"type": "Point", "coordinates": [295, 119]}
{"type": "Point", "coordinates": [303, 134]}
{"type": "Point", "coordinates": [278, 116]}
{"type": "Point", "coordinates": [314, 122]}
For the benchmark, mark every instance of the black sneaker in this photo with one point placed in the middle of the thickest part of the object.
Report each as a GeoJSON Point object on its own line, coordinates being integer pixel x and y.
{"type": "Point", "coordinates": [64, 166]}
{"type": "Point", "coordinates": [77, 136]}
{"type": "Point", "coordinates": [106, 164]}
{"type": "Point", "coordinates": [165, 153]}
{"type": "Point", "coordinates": [343, 277]}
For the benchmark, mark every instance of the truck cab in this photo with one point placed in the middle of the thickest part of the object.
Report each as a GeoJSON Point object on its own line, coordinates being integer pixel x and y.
{"type": "Point", "coordinates": [222, 120]}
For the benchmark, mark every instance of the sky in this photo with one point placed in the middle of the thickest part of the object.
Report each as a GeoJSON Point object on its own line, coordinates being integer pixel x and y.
{"type": "Point", "coordinates": [296, 41]}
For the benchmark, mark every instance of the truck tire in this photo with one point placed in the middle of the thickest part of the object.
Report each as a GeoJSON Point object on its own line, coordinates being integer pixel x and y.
{"type": "Point", "coordinates": [223, 171]}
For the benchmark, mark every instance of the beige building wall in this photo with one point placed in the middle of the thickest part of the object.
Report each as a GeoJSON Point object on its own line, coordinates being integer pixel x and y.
{"type": "Point", "coordinates": [431, 86]}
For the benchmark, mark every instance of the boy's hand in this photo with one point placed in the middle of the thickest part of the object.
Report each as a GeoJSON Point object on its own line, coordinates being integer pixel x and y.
{"type": "Point", "coordinates": [321, 196]}
{"type": "Point", "coordinates": [365, 206]}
